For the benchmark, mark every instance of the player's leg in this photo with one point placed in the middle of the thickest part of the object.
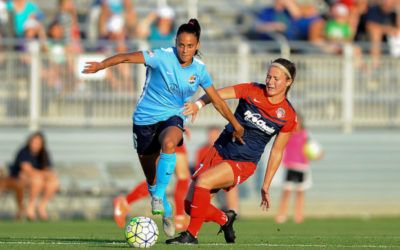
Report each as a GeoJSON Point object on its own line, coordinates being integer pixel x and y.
{"type": "Point", "coordinates": [169, 138]}
{"type": "Point", "coordinates": [182, 185]}
{"type": "Point", "coordinates": [121, 203]}
{"type": "Point", "coordinates": [232, 199]}
{"type": "Point", "coordinates": [281, 217]}
{"type": "Point", "coordinates": [215, 178]}
{"type": "Point", "coordinates": [299, 204]}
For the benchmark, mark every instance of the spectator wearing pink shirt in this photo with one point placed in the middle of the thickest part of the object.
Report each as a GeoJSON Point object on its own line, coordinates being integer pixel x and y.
{"type": "Point", "coordinates": [298, 176]}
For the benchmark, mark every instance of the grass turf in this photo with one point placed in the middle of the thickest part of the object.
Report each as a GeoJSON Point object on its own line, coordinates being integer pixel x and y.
{"type": "Point", "coordinates": [349, 233]}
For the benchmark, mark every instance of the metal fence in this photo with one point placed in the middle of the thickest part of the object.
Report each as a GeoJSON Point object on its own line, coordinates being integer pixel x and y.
{"type": "Point", "coordinates": [42, 89]}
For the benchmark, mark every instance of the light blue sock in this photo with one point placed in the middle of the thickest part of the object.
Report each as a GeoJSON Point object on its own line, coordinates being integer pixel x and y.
{"type": "Point", "coordinates": [151, 189]}
{"type": "Point", "coordinates": [167, 206]}
{"type": "Point", "coordinates": [165, 170]}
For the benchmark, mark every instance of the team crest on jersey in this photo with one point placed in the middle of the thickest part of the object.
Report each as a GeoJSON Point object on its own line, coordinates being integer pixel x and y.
{"type": "Point", "coordinates": [150, 52]}
{"type": "Point", "coordinates": [192, 79]}
{"type": "Point", "coordinates": [280, 113]}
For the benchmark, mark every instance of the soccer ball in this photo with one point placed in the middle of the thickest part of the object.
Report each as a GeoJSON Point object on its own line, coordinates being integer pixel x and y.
{"type": "Point", "coordinates": [141, 232]}
{"type": "Point", "coordinates": [313, 150]}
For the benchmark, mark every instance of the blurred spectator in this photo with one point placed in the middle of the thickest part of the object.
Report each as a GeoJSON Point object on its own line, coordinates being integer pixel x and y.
{"type": "Point", "coordinates": [3, 18]}
{"type": "Point", "coordinates": [117, 17]}
{"type": "Point", "coordinates": [382, 21]}
{"type": "Point", "coordinates": [32, 167]}
{"type": "Point", "coordinates": [11, 183]}
{"type": "Point", "coordinates": [358, 10]}
{"type": "Point", "coordinates": [298, 175]}
{"type": "Point", "coordinates": [117, 20]}
{"type": "Point", "coordinates": [27, 20]}
{"type": "Point", "coordinates": [231, 197]}
{"type": "Point", "coordinates": [158, 27]}
{"type": "Point", "coordinates": [287, 18]}
{"type": "Point", "coordinates": [67, 17]}
{"type": "Point", "coordinates": [92, 21]}
{"type": "Point", "coordinates": [58, 70]}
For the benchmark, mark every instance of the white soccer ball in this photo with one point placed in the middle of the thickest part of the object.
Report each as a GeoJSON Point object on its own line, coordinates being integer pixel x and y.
{"type": "Point", "coordinates": [141, 232]}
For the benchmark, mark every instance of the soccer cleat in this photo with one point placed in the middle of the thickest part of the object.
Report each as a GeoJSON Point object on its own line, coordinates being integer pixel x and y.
{"type": "Point", "coordinates": [121, 208]}
{"type": "Point", "coordinates": [168, 226]}
{"type": "Point", "coordinates": [181, 222]}
{"type": "Point", "coordinates": [229, 233]}
{"type": "Point", "coordinates": [157, 206]}
{"type": "Point", "coordinates": [184, 238]}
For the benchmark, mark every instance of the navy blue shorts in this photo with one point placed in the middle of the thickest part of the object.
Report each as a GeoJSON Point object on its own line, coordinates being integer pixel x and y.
{"type": "Point", "coordinates": [145, 137]}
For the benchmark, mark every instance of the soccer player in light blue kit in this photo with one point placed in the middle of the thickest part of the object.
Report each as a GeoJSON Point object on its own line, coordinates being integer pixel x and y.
{"type": "Point", "coordinates": [173, 76]}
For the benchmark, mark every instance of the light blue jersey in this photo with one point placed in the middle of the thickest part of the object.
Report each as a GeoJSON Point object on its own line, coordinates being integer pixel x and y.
{"type": "Point", "coordinates": [168, 86]}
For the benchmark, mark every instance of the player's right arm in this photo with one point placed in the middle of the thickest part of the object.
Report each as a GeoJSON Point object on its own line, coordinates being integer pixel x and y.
{"type": "Point", "coordinates": [132, 57]}
{"type": "Point", "coordinates": [192, 108]}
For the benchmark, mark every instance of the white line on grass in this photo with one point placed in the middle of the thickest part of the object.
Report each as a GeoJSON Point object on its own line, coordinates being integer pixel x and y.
{"type": "Point", "coordinates": [206, 244]}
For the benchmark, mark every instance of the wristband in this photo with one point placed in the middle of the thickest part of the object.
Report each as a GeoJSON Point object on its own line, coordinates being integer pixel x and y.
{"type": "Point", "coordinates": [199, 104]}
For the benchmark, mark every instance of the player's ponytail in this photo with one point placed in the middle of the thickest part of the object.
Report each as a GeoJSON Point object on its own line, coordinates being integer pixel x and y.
{"type": "Point", "coordinates": [192, 27]}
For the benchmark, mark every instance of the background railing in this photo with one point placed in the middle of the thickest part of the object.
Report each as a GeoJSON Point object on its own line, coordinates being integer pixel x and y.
{"type": "Point", "coordinates": [329, 90]}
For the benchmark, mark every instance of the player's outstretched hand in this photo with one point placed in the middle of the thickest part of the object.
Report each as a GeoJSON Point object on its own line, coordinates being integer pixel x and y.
{"type": "Point", "coordinates": [237, 135]}
{"type": "Point", "coordinates": [92, 67]}
{"type": "Point", "coordinates": [265, 200]}
{"type": "Point", "coordinates": [190, 109]}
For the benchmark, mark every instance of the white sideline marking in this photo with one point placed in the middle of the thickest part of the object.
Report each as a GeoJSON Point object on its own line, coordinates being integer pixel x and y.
{"type": "Point", "coordinates": [206, 244]}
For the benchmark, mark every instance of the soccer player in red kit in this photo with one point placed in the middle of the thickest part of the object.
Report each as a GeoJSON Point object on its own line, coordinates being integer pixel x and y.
{"type": "Point", "coordinates": [263, 111]}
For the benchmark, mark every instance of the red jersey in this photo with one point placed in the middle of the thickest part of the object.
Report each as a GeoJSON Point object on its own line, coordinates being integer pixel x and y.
{"type": "Point", "coordinates": [261, 121]}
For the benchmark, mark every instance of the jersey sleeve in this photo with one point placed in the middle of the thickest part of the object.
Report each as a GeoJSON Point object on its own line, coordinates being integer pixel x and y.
{"type": "Point", "coordinates": [205, 80]}
{"type": "Point", "coordinates": [152, 57]}
{"type": "Point", "coordinates": [242, 90]}
{"type": "Point", "coordinates": [291, 125]}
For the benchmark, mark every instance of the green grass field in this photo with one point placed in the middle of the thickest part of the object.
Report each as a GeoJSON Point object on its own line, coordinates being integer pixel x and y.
{"type": "Point", "coordinates": [260, 233]}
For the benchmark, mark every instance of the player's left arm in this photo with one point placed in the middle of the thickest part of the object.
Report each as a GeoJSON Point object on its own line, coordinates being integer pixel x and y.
{"type": "Point", "coordinates": [274, 161]}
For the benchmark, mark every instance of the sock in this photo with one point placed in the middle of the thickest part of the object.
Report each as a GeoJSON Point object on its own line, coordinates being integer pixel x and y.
{"type": "Point", "coordinates": [165, 170]}
{"type": "Point", "coordinates": [181, 188]}
{"type": "Point", "coordinates": [216, 215]}
{"type": "Point", "coordinates": [167, 206]}
{"type": "Point", "coordinates": [213, 214]}
{"type": "Point", "coordinates": [139, 192]}
{"type": "Point", "coordinates": [187, 207]}
{"type": "Point", "coordinates": [151, 189]}
{"type": "Point", "coordinates": [200, 203]}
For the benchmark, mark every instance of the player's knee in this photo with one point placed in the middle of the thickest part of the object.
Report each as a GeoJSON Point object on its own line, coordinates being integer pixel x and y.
{"type": "Point", "coordinates": [168, 146]}
{"type": "Point", "coordinates": [204, 182]}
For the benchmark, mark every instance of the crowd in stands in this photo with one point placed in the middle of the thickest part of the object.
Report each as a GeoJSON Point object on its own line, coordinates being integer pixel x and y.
{"type": "Point", "coordinates": [345, 22]}
{"type": "Point", "coordinates": [111, 24]}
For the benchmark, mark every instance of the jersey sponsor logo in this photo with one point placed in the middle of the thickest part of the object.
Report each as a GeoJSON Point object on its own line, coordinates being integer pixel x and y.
{"type": "Point", "coordinates": [192, 79]}
{"type": "Point", "coordinates": [255, 119]}
{"type": "Point", "coordinates": [169, 73]}
{"type": "Point", "coordinates": [280, 112]}
{"type": "Point", "coordinates": [150, 53]}
{"type": "Point", "coordinates": [167, 49]}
